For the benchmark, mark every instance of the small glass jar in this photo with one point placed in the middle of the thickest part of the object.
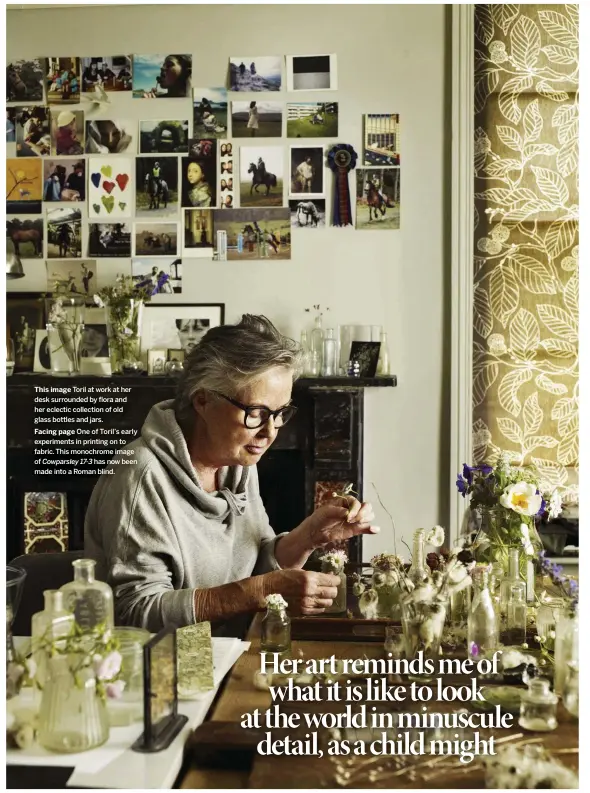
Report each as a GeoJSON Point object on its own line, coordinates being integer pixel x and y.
{"type": "Point", "coordinates": [339, 603]}
{"type": "Point", "coordinates": [275, 631]}
{"type": "Point", "coordinates": [394, 644]}
{"type": "Point", "coordinates": [571, 693]}
{"type": "Point", "coordinates": [516, 614]}
{"type": "Point", "coordinates": [129, 707]}
{"type": "Point", "coordinates": [538, 707]}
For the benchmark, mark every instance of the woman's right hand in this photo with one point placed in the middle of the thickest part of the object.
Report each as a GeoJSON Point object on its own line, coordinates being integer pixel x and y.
{"type": "Point", "coordinates": [306, 591]}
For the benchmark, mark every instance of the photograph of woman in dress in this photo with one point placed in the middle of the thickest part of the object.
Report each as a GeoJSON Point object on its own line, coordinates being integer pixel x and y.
{"type": "Point", "coordinates": [198, 182]}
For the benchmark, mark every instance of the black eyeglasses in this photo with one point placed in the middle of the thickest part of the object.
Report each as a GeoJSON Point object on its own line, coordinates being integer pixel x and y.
{"type": "Point", "coordinates": [256, 416]}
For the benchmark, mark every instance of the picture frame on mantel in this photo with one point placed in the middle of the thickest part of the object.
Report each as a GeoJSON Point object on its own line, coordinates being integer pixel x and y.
{"type": "Point", "coordinates": [179, 325]}
{"type": "Point", "coordinates": [25, 314]}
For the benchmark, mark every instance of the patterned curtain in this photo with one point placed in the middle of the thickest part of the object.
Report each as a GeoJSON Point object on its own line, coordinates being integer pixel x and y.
{"type": "Point", "coordinates": [525, 363]}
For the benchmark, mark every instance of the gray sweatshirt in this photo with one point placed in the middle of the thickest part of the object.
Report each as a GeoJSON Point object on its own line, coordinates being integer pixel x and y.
{"type": "Point", "coordinates": [157, 535]}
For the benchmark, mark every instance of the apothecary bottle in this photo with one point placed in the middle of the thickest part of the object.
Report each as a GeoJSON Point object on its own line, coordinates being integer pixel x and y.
{"type": "Point", "coordinates": [317, 340]}
{"type": "Point", "coordinates": [48, 631]}
{"type": "Point", "coordinates": [538, 707]}
{"type": "Point", "coordinates": [304, 343]}
{"type": "Point", "coordinates": [90, 601]}
{"type": "Point", "coordinates": [329, 356]}
{"type": "Point", "coordinates": [275, 629]}
{"type": "Point", "coordinates": [513, 579]}
{"type": "Point", "coordinates": [482, 623]}
{"type": "Point", "coordinates": [383, 367]}
{"type": "Point", "coordinates": [516, 614]}
{"type": "Point", "coordinates": [419, 571]}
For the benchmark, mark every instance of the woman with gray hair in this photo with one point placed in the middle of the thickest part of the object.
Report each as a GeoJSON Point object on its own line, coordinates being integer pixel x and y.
{"type": "Point", "coordinates": [182, 535]}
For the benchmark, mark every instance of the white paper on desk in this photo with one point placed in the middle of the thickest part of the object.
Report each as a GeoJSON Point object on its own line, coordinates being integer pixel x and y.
{"type": "Point", "coordinates": [159, 770]}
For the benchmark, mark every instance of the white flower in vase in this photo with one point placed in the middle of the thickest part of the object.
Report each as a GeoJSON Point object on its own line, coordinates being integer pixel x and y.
{"type": "Point", "coordinates": [435, 537]}
{"type": "Point", "coordinates": [335, 560]}
{"type": "Point", "coordinates": [522, 498]}
{"type": "Point", "coordinates": [555, 505]}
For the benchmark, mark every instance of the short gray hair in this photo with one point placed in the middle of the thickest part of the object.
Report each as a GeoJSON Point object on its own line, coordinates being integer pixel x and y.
{"type": "Point", "coordinates": [230, 357]}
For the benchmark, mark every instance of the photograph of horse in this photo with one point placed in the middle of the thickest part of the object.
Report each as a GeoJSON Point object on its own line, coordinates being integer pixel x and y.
{"type": "Point", "coordinates": [378, 198]}
{"type": "Point", "coordinates": [156, 239]}
{"type": "Point", "coordinates": [254, 234]}
{"type": "Point", "coordinates": [261, 176]}
{"type": "Point", "coordinates": [157, 186]}
{"type": "Point", "coordinates": [24, 237]}
{"type": "Point", "coordinates": [64, 233]}
{"type": "Point", "coordinates": [308, 214]}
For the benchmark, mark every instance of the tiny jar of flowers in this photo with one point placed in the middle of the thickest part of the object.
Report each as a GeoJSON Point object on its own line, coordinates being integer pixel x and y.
{"type": "Point", "coordinates": [333, 562]}
{"type": "Point", "coordinates": [275, 629]}
{"type": "Point", "coordinates": [124, 304]}
{"type": "Point", "coordinates": [506, 501]}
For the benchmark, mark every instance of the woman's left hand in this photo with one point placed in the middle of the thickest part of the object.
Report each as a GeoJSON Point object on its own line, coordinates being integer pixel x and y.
{"type": "Point", "coordinates": [334, 523]}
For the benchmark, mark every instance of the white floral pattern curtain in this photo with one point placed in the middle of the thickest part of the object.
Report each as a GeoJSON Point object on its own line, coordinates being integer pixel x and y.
{"type": "Point", "coordinates": [525, 370]}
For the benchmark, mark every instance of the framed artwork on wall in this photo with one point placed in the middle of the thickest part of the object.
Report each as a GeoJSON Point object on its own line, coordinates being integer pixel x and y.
{"type": "Point", "coordinates": [179, 325]}
{"type": "Point", "coordinates": [25, 312]}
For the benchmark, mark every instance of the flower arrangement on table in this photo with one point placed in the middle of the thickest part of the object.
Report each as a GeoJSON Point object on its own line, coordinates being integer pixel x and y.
{"type": "Point", "coordinates": [86, 655]}
{"type": "Point", "coordinates": [65, 325]}
{"type": "Point", "coordinates": [124, 303]}
{"type": "Point", "coordinates": [508, 500]}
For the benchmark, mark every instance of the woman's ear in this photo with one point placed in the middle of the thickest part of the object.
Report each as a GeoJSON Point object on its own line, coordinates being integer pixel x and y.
{"type": "Point", "coordinates": [201, 400]}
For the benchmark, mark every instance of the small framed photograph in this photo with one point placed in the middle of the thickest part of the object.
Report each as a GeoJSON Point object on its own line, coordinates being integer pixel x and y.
{"type": "Point", "coordinates": [175, 355]}
{"type": "Point", "coordinates": [42, 362]}
{"type": "Point", "coordinates": [367, 355]}
{"type": "Point", "coordinates": [156, 360]}
{"type": "Point", "coordinates": [24, 316]}
{"type": "Point", "coordinates": [311, 73]}
{"type": "Point", "coordinates": [175, 326]}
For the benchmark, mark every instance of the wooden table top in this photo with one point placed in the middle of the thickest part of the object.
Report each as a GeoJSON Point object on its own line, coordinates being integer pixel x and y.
{"type": "Point", "coordinates": [239, 696]}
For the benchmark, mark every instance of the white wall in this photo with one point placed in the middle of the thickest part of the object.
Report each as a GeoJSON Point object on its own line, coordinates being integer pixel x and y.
{"type": "Point", "coordinates": [390, 59]}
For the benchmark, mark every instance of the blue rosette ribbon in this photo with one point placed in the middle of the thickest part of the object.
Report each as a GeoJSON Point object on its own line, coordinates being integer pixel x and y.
{"type": "Point", "coordinates": [341, 159]}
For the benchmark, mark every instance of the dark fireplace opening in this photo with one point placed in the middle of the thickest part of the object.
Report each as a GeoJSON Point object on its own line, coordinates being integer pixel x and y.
{"type": "Point", "coordinates": [281, 474]}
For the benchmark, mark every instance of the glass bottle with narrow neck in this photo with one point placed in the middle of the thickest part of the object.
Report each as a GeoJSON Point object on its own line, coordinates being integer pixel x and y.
{"type": "Point", "coordinates": [90, 601]}
{"type": "Point", "coordinates": [48, 630]}
{"type": "Point", "coordinates": [317, 339]}
{"type": "Point", "coordinates": [513, 579]}
{"type": "Point", "coordinates": [419, 571]}
{"type": "Point", "coordinates": [482, 623]}
{"type": "Point", "coordinates": [275, 631]}
{"type": "Point", "coordinates": [516, 613]}
{"type": "Point", "coordinates": [305, 350]}
{"type": "Point", "coordinates": [383, 367]}
{"type": "Point", "coordinates": [329, 359]}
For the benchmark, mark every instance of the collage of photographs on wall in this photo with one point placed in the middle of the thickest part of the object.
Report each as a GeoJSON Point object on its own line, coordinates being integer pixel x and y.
{"type": "Point", "coordinates": [83, 186]}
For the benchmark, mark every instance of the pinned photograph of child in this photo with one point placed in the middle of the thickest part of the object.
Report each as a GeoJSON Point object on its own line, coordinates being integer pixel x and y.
{"type": "Point", "coordinates": [198, 182]}
{"type": "Point", "coordinates": [32, 132]}
{"type": "Point", "coordinates": [63, 80]}
{"type": "Point", "coordinates": [67, 132]}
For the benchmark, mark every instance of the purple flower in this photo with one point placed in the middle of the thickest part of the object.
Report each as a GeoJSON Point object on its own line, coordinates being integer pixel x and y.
{"type": "Point", "coordinates": [542, 508]}
{"type": "Point", "coordinates": [485, 469]}
{"type": "Point", "coordinates": [473, 649]}
{"type": "Point", "coordinates": [461, 485]}
{"type": "Point", "coordinates": [468, 473]}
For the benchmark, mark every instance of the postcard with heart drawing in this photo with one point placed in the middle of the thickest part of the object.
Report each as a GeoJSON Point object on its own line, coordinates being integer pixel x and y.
{"type": "Point", "coordinates": [110, 189]}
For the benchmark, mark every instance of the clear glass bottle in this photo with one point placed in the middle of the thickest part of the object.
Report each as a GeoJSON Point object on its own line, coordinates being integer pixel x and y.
{"type": "Point", "coordinates": [90, 601]}
{"type": "Point", "coordinates": [419, 571]}
{"type": "Point", "coordinates": [516, 614]}
{"type": "Point", "coordinates": [511, 580]}
{"type": "Point", "coordinates": [275, 631]}
{"type": "Point", "coordinates": [383, 366]}
{"type": "Point", "coordinates": [72, 717]}
{"type": "Point", "coordinates": [571, 692]}
{"type": "Point", "coordinates": [482, 623]}
{"type": "Point", "coordinates": [129, 707]}
{"type": "Point", "coordinates": [497, 575]}
{"type": "Point", "coordinates": [317, 340]}
{"type": "Point", "coordinates": [329, 356]}
{"type": "Point", "coordinates": [538, 707]}
{"type": "Point", "coordinates": [305, 350]}
{"type": "Point", "coordinates": [47, 628]}
{"type": "Point", "coordinates": [566, 648]}
{"type": "Point", "coordinates": [339, 603]}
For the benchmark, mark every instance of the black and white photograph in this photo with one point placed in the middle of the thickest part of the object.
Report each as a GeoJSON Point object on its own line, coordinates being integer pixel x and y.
{"type": "Point", "coordinates": [308, 214]}
{"type": "Point", "coordinates": [24, 237]}
{"type": "Point", "coordinates": [109, 72]}
{"type": "Point", "coordinates": [24, 81]}
{"type": "Point", "coordinates": [168, 136]}
{"type": "Point", "coordinates": [198, 232]}
{"type": "Point", "coordinates": [156, 239]}
{"type": "Point", "coordinates": [42, 360]}
{"type": "Point", "coordinates": [307, 171]}
{"type": "Point", "coordinates": [24, 316]}
{"type": "Point", "coordinates": [64, 233]}
{"type": "Point", "coordinates": [156, 361]}
{"type": "Point", "coordinates": [72, 277]}
{"type": "Point", "coordinates": [255, 74]}
{"type": "Point", "coordinates": [179, 325]}
{"type": "Point", "coordinates": [311, 73]}
{"type": "Point", "coordinates": [109, 239]}
{"type": "Point", "coordinates": [33, 138]}
{"type": "Point", "coordinates": [64, 180]}
{"type": "Point", "coordinates": [157, 186]}
{"type": "Point", "coordinates": [163, 277]}
{"type": "Point", "coordinates": [104, 136]}
{"type": "Point", "coordinates": [95, 341]}
{"type": "Point", "coordinates": [366, 353]}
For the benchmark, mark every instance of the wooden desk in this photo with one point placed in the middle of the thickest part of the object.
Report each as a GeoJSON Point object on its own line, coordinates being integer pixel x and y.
{"type": "Point", "coordinates": [239, 696]}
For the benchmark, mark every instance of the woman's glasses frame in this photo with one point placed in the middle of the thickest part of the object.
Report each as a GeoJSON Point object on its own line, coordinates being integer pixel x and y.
{"type": "Point", "coordinates": [285, 413]}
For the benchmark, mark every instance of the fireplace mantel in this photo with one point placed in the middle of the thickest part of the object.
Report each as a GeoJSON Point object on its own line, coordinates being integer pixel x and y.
{"type": "Point", "coordinates": [319, 451]}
